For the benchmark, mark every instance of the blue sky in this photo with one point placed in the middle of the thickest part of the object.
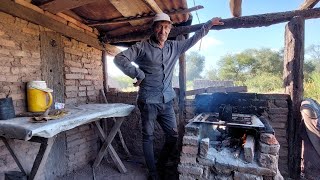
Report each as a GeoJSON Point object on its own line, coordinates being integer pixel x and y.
{"type": "Point", "coordinates": [236, 40]}
{"type": "Point", "coordinates": [219, 43]}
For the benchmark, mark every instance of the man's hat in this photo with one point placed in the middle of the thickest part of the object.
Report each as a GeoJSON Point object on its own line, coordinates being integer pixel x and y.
{"type": "Point", "coordinates": [162, 17]}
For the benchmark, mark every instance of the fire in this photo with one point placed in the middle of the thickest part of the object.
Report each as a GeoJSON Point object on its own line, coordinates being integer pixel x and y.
{"type": "Point", "coordinates": [243, 139]}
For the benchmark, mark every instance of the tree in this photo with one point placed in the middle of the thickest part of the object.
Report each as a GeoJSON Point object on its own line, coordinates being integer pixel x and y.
{"type": "Point", "coordinates": [194, 65]}
{"type": "Point", "coordinates": [250, 63]}
{"type": "Point", "coordinates": [313, 51]}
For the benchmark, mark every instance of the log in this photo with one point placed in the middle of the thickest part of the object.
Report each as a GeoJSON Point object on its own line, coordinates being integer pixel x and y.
{"type": "Point", "coordinates": [307, 4]}
{"type": "Point", "coordinates": [231, 23]}
{"type": "Point", "coordinates": [235, 7]}
{"type": "Point", "coordinates": [293, 82]}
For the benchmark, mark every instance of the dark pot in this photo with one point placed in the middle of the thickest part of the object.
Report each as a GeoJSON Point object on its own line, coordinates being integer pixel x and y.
{"type": "Point", "coordinates": [6, 109]}
{"type": "Point", "coordinates": [225, 112]}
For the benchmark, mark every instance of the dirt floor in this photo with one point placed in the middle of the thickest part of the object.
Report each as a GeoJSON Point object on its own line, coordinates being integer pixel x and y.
{"type": "Point", "coordinates": [107, 170]}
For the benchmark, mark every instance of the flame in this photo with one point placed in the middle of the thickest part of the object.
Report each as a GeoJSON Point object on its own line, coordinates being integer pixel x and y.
{"type": "Point", "coordinates": [243, 139]}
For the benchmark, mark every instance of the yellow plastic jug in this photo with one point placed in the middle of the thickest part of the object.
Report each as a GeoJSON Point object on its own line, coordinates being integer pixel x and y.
{"type": "Point", "coordinates": [37, 93]}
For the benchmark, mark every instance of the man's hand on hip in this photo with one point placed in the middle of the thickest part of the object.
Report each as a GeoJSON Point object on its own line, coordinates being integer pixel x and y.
{"type": "Point", "coordinates": [136, 84]}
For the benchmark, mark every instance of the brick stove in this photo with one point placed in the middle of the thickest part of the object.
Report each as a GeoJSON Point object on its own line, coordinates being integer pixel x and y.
{"type": "Point", "coordinates": [228, 142]}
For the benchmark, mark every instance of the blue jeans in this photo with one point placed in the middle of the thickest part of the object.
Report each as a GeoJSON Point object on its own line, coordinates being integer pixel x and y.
{"type": "Point", "coordinates": [164, 114]}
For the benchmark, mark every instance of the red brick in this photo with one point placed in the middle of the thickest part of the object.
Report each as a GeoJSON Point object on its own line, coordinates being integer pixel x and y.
{"type": "Point", "coordinates": [85, 82]}
{"type": "Point", "coordinates": [74, 76]}
{"type": "Point", "coordinates": [82, 88]}
{"type": "Point", "coordinates": [70, 82]}
{"type": "Point", "coordinates": [82, 93]}
{"type": "Point", "coordinates": [71, 88]}
{"type": "Point", "coordinates": [7, 43]}
{"type": "Point", "coordinates": [90, 93]}
{"type": "Point", "coordinates": [190, 149]}
{"type": "Point", "coordinates": [78, 70]}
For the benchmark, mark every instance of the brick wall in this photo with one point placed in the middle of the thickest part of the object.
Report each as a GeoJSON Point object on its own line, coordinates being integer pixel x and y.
{"type": "Point", "coordinates": [275, 108]}
{"type": "Point", "coordinates": [20, 62]}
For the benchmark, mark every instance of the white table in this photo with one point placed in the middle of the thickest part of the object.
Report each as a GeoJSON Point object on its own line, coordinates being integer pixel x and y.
{"type": "Point", "coordinates": [44, 133]}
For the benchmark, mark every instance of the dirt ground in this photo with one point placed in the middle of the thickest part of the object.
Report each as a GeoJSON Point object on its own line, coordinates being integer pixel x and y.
{"type": "Point", "coordinates": [107, 170]}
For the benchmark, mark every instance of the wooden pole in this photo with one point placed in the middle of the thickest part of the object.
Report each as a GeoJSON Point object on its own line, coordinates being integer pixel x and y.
{"type": "Point", "coordinates": [105, 71]}
{"type": "Point", "coordinates": [293, 81]}
{"type": "Point", "coordinates": [231, 23]}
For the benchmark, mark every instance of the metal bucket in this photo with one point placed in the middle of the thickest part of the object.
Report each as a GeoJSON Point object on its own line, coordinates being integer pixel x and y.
{"type": "Point", "coordinates": [6, 109]}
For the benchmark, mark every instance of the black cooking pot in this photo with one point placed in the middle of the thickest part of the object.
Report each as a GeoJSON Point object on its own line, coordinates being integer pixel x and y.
{"type": "Point", "coordinates": [6, 109]}
{"type": "Point", "coordinates": [225, 112]}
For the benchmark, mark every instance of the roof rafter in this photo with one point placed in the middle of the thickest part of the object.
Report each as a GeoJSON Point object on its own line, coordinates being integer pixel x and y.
{"type": "Point", "coordinates": [124, 19]}
{"type": "Point", "coordinates": [57, 6]}
{"type": "Point", "coordinates": [307, 4]}
{"type": "Point", "coordinates": [153, 6]}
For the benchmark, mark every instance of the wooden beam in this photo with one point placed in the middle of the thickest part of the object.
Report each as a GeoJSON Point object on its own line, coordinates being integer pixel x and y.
{"type": "Point", "coordinates": [125, 19]}
{"type": "Point", "coordinates": [235, 7]}
{"type": "Point", "coordinates": [28, 14]}
{"type": "Point", "coordinates": [128, 9]}
{"type": "Point", "coordinates": [231, 23]}
{"type": "Point", "coordinates": [153, 6]}
{"type": "Point", "coordinates": [293, 82]}
{"type": "Point", "coordinates": [63, 5]}
{"type": "Point", "coordinates": [307, 4]}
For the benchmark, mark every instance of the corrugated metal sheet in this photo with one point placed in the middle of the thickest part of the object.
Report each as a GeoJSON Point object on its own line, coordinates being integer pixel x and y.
{"type": "Point", "coordinates": [110, 10]}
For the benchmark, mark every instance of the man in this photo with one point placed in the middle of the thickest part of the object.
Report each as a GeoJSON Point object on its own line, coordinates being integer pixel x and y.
{"type": "Point", "coordinates": [156, 59]}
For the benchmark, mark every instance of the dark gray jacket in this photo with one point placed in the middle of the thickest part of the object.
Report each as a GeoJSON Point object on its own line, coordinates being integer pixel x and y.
{"type": "Point", "coordinates": [156, 65]}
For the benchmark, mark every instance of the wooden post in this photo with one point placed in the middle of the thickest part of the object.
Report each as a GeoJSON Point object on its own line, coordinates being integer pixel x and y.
{"type": "Point", "coordinates": [182, 83]}
{"type": "Point", "coordinates": [293, 82]}
{"type": "Point", "coordinates": [105, 71]}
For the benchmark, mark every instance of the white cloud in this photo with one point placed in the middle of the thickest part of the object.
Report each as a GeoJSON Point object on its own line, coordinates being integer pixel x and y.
{"type": "Point", "coordinates": [206, 43]}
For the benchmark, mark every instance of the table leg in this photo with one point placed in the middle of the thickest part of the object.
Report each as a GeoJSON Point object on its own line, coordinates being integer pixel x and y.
{"type": "Point", "coordinates": [107, 145]}
{"type": "Point", "coordinates": [13, 154]}
{"type": "Point", "coordinates": [41, 157]}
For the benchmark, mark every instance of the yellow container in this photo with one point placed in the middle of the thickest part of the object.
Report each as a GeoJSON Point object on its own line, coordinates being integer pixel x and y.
{"type": "Point", "coordinates": [39, 97]}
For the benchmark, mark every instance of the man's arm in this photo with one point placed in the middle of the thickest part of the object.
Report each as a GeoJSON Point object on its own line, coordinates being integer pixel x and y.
{"type": "Point", "coordinates": [123, 62]}
{"type": "Point", "coordinates": [184, 45]}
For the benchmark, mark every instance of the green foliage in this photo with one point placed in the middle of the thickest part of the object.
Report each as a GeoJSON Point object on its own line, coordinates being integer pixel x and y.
{"type": "Point", "coordinates": [312, 86]}
{"type": "Point", "coordinates": [212, 74]}
{"type": "Point", "coordinates": [313, 54]}
{"type": "Point", "coordinates": [194, 65]}
{"type": "Point", "coordinates": [264, 82]}
{"type": "Point", "coordinates": [251, 62]}
{"type": "Point", "coordinates": [124, 83]}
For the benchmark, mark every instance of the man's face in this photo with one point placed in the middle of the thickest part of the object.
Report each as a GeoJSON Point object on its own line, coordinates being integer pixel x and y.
{"type": "Point", "coordinates": [162, 30]}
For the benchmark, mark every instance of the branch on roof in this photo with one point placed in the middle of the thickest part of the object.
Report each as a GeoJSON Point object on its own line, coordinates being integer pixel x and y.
{"type": "Point", "coordinates": [308, 4]}
{"type": "Point", "coordinates": [231, 23]}
{"type": "Point", "coordinates": [125, 20]}
{"type": "Point", "coordinates": [57, 6]}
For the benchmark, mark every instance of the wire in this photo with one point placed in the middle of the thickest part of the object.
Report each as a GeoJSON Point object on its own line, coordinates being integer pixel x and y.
{"type": "Point", "coordinates": [194, 4]}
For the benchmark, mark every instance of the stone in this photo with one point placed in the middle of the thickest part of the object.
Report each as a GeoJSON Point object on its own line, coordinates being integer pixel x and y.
{"type": "Point", "coordinates": [190, 140]}
{"type": "Point", "coordinates": [192, 129]}
{"type": "Point", "coordinates": [191, 170]}
{"type": "Point", "coordinates": [204, 147]}
{"type": "Point", "coordinates": [188, 159]}
{"type": "Point", "coordinates": [268, 138]}
{"type": "Point", "coordinates": [268, 161]}
{"type": "Point", "coordinates": [193, 150]}
{"type": "Point", "coordinates": [243, 176]}
{"type": "Point", "coordinates": [248, 148]}
{"type": "Point", "coordinates": [269, 149]}
{"type": "Point", "coordinates": [278, 176]}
